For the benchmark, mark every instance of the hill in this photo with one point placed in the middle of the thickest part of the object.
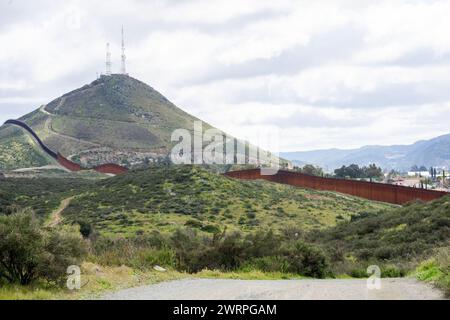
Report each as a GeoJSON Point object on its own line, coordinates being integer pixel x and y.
{"type": "Point", "coordinates": [115, 119]}
{"type": "Point", "coordinates": [176, 216]}
{"type": "Point", "coordinates": [404, 235]}
{"type": "Point", "coordinates": [434, 152]}
{"type": "Point", "coordinates": [167, 198]}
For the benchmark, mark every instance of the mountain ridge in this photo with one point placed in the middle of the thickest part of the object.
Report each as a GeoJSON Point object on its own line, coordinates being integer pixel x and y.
{"type": "Point", "coordinates": [433, 152]}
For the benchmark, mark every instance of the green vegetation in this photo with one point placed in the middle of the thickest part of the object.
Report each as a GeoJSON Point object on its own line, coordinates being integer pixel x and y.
{"type": "Point", "coordinates": [116, 118]}
{"type": "Point", "coordinates": [117, 112]}
{"type": "Point", "coordinates": [437, 270]}
{"type": "Point", "coordinates": [193, 221]}
{"type": "Point", "coordinates": [311, 170]}
{"type": "Point", "coordinates": [355, 172]}
{"type": "Point", "coordinates": [17, 150]}
{"type": "Point", "coordinates": [29, 253]}
{"type": "Point", "coordinates": [186, 250]}
{"type": "Point", "coordinates": [392, 237]}
{"type": "Point", "coordinates": [167, 198]}
{"type": "Point", "coordinates": [41, 195]}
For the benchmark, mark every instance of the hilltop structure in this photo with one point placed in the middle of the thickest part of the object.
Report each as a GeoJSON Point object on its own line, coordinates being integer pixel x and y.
{"type": "Point", "coordinates": [108, 63]}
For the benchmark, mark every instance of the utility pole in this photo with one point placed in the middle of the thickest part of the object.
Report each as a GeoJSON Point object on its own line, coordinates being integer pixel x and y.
{"type": "Point", "coordinates": [108, 60]}
{"type": "Point", "coordinates": [124, 57]}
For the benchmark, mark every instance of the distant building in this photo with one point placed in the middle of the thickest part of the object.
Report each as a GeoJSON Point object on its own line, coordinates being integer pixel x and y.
{"type": "Point", "coordinates": [424, 174]}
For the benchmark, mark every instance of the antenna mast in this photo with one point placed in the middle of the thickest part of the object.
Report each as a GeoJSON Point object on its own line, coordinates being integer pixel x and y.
{"type": "Point", "coordinates": [108, 60]}
{"type": "Point", "coordinates": [124, 57]}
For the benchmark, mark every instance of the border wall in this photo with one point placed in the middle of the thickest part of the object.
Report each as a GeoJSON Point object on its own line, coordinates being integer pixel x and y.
{"type": "Point", "coordinates": [368, 190]}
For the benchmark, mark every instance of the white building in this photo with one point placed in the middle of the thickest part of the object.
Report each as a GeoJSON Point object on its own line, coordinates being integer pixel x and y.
{"type": "Point", "coordinates": [423, 174]}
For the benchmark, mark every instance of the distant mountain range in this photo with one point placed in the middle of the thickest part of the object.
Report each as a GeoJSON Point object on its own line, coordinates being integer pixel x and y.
{"type": "Point", "coordinates": [434, 152]}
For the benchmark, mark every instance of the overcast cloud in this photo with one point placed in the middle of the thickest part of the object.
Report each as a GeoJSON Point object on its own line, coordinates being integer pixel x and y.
{"type": "Point", "coordinates": [323, 73]}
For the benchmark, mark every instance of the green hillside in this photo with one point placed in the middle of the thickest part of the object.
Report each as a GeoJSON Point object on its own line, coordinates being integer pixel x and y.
{"type": "Point", "coordinates": [404, 235]}
{"type": "Point", "coordinates": [166, 198]}
{"type": "Point", "coordinates": [18, 150]}
{"type": "Point", "coordinates": [114, 119]}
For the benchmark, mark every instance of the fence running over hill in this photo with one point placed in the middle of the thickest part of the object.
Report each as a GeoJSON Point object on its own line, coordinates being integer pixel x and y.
{"type": "Point", "coordinates": [35, 136]}
{"type": "Point", "coordinates": [64, 162]}
{"type": "Point", "coordinates": [368, 190]}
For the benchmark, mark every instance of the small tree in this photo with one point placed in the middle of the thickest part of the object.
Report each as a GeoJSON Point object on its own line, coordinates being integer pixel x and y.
{"type": "Point", "coordinates": [372, 172]}
{"type": "Point", "coordinates": [28, 252]}
{"type": "Point", "coordinates": [312, 170]}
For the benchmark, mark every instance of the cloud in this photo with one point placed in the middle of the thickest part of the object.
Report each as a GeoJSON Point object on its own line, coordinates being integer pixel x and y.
{"type": "Point", "coordinates": [324, 73]}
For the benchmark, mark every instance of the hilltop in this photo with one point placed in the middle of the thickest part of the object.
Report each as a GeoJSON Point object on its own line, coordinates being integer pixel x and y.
{"type": "Point", "coordinates": [115, 119]}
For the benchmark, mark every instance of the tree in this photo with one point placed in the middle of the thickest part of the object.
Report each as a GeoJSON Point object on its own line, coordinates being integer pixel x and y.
{"type": "Point", "coordinates": [312, 170]}
{"type": "Point", "coordinates": [372, 172]}
{"type": "Point", "coordinates": [28, 252]}
{"type": "Point", "coordinates": [353, 171]}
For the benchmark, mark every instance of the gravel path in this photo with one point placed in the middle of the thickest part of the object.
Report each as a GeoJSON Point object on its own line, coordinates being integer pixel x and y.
{"type": "Point", "coordinates": [391, 289]}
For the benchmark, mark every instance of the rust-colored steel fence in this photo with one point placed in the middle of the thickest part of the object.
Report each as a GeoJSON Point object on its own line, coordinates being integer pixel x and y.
{"type": "Point", "coordinates": [368, 190]}
{"type": "Point", "coordinates": [66, 163]}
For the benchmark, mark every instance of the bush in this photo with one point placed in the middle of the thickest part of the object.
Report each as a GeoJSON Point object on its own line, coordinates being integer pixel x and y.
{"type": "Point", "coordinates": [268, 264]}
{"type": "Point", "coordinates": [28, 253]}
{"type": "Point", "coordinates": [141, 253]}
{"type": "Point", "coordinates": [359, 273]}
{"type": "Point", "coordinates": [307, 260]}
{"type": "Point", "coordinates": [437, 270]}
{"type": "Point", "coordinates": [86, 228]}
{"type": "Point", "coordinates": [392, 272]}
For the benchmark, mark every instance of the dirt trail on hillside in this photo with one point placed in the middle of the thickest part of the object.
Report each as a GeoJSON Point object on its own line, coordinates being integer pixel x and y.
{"type": "Point", "coordinates": [391, 289]}
{"type": "Point", "coordinates": [49, 127]}
{"type": "Point", "coordinates": [56, 217]}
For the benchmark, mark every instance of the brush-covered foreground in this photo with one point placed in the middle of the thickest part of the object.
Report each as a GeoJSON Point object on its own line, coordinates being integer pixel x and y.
{"type": "Point", "coordinates": [189, 219]}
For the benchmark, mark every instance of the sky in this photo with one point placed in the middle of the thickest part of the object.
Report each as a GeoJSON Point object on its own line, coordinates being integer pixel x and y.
{"type": "Point", "coordinates": [318, 74]}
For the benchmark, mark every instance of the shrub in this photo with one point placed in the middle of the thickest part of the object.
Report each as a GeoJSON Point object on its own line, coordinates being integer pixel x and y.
{"type": "Point", "coordinates": [392, 272]}
{"type": "Point", "coordinates": [188, 249]}
{"type": "Point", "coordinates": [143, 252]}
{"type": "Point", "coordinates": [64, 247]}
{"type": "Point", "coordinates": [437, 270]}
{"type": "Point", "coordinates": [307, 260]}
{"type": "Point", "coordinates": [28, 252]}
{"type": "Point", "coordinates": [86, 229]}
{"type": "Point", "coordinates": [268, 264]}
{"type": "Point", "coordinates": [210, 229]}
{"type": "Point", "coordinates": [193, 224]}
{"type": "Point", "coordinates": [359, 273]}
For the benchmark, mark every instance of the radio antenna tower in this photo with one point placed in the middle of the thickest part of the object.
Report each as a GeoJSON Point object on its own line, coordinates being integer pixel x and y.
{"type": "Point", "coordinates": [108, 60]}
{"type": "Point", "coordinates": [124, 57]}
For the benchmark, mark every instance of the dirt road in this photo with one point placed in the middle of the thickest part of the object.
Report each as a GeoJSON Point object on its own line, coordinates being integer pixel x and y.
{"type": "Point", "coordinates": [55, 217]}
{"type": "Point", "coordinates": [391, 289]}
